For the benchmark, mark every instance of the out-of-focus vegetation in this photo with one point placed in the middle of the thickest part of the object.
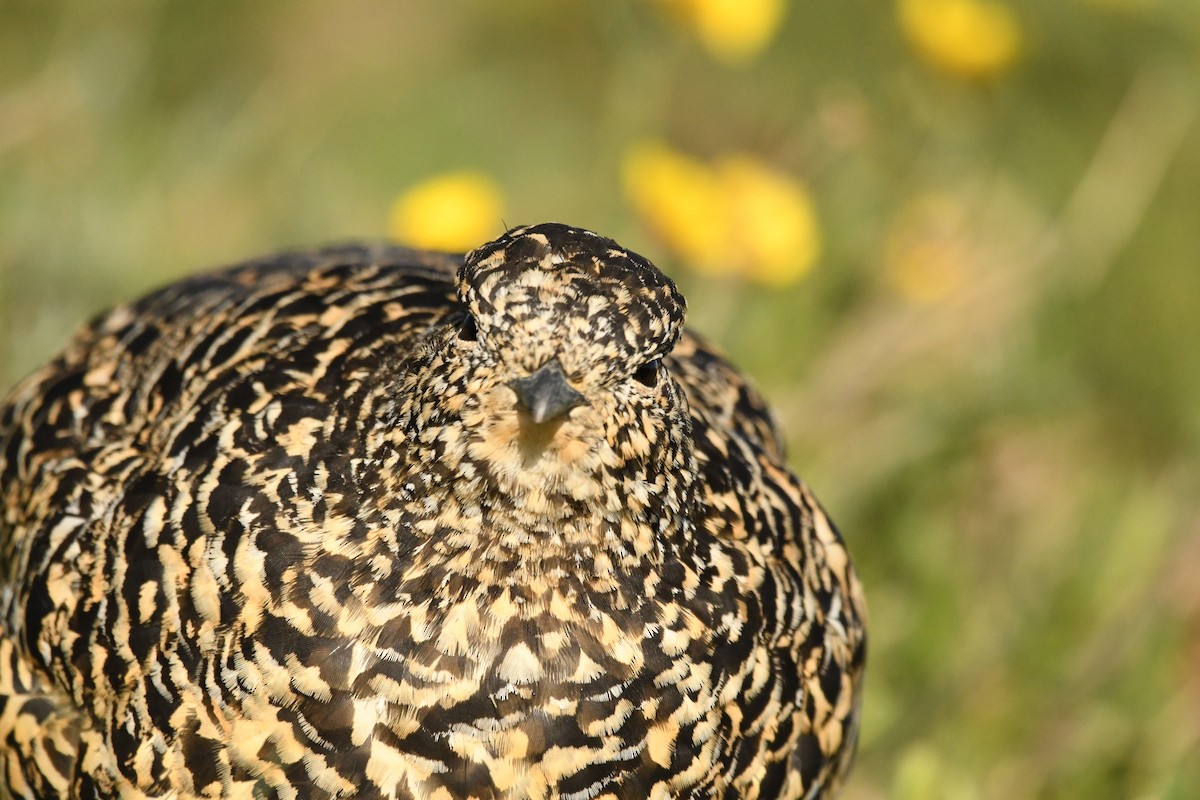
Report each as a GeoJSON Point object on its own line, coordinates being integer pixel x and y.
{"type": "Point", "coordinates": [958, 249]}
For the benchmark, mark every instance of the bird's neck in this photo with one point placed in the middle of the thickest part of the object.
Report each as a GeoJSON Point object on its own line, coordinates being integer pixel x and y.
{"type": "Point", "coordinates": [547, 521]}
{"type": "Point", "coordinates": [625, 524]}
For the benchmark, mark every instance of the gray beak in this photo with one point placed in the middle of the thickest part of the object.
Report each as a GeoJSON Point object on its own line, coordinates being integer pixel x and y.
{"type": "Point", "coordinates": [545, 394]}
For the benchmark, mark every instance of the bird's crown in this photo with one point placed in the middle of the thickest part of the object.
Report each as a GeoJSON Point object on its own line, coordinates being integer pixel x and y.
{"type": "Point", "coordinates": [539, 286]}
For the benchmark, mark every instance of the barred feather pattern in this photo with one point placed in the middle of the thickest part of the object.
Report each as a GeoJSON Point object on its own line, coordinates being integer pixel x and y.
{"type": "Point", "coordinates": [283, 531]}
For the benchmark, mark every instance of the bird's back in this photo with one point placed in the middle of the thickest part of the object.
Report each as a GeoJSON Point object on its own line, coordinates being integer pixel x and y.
{"type": "Point", "coordinates": [230, 564]}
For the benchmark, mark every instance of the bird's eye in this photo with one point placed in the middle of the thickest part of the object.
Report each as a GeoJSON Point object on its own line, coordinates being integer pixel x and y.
{"type": "Point", "coordinates": [647, 374]}
{"type": "Point", "coordinates": [468, 332]}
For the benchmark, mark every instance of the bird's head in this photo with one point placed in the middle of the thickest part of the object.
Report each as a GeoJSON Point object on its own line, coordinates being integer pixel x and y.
{"type": "Point", "coordinates": [550, 383]}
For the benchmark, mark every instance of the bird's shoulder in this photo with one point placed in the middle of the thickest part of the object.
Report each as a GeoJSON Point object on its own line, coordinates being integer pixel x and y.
{"type": "Point", "coordinates": [129, 365]}
{"type": "Point", "coordinates": [787, 555]}
{"type": "Point", "coordinates": [151, 379]}
{"type": "Point", "coordinates": [747, 493]}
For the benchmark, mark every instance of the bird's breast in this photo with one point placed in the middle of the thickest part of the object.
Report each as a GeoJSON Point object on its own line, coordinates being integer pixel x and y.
{"type": "Point", "coordinates": [520, 691]}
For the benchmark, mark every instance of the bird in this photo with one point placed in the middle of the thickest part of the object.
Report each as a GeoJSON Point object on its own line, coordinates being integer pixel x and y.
{"type": "Point", "coordinates": [366, 521]}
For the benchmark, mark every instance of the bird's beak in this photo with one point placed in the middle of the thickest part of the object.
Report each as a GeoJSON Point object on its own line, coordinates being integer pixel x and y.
{"type": "Point", "coordinates": [545, 394]}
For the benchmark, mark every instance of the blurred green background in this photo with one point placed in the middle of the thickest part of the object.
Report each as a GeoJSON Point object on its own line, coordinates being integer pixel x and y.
{"type": "Point", "coordinates": [990, 373]}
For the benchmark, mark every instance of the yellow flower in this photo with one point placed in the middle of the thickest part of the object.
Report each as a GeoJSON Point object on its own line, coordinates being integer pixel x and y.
{"type": "Point", "coordinates": [731, 30]}
{"type": "Point", "coordinates": [454, 211]}
{"type": "Point", "coordinates": [771, 221]}
{"type": "Point", "coordinates": [927, 248]}
{"type": "Point", "coordinates": [971, 38]}
{"type": "Point", "coordinates": [737, 216]}
{"type": "Point", "coordinates": [679, 199]}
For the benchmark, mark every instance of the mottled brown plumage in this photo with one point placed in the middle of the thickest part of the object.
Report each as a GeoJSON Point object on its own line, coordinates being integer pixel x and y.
{"type": "Point", "coordinates": [369, 522]}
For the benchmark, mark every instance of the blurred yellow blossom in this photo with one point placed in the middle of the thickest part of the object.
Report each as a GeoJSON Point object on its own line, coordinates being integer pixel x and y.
{"type": "Point", "coordinates": [770, 220]}
{"type": "Point", "coordinates": [731, 30]}
{"type": "Point", "coordinates": [455, 211]}
{"type": "Point", "coordinates": [737, 216]}
{"type": "Point", "coordinates": [972, 38]}
{"type": "Point", "coordinates": [678, 197]}
{"type": "Point", "coordinates": [927, 248]}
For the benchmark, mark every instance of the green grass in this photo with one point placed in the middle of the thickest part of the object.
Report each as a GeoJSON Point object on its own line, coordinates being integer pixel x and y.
{"type": "Point", "coordinates": [1015, 464]}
